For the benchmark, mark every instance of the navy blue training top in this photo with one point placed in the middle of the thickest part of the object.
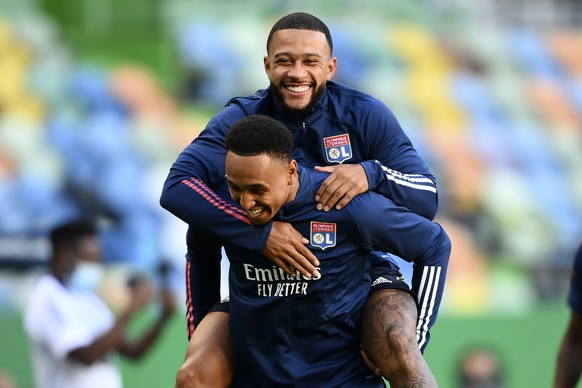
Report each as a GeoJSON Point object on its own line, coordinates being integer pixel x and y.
{"type": "Point", "coordinates": [292, 331]}
{"type": "Point", "coordinates": [345, 126]}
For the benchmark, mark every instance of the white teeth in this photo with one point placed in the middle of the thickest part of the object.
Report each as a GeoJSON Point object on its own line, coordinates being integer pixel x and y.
{"type": "Point", "coordinates": [255, 213]}
{"type": "Point", "coordinates": [298, 89]}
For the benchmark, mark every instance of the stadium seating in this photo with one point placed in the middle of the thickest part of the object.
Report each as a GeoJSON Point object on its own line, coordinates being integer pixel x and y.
{"type": "Point", "coordinates": [496, 112]}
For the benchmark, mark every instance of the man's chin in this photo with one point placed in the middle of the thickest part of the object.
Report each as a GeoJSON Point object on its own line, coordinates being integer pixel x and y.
{"type": "Point", "coordinates": [259, 222]}
{"type": "Point", "coordinates": [297, 111]}
{"type": "Point", "coordinates": [295, 103]}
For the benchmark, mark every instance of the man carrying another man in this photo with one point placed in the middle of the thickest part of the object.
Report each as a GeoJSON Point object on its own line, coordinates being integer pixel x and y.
{"type": "Point", "coordinates": [330, 125]}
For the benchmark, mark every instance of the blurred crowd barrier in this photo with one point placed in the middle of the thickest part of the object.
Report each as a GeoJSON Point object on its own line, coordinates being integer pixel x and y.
{"type": "Point", "coordinates": [495, 109]}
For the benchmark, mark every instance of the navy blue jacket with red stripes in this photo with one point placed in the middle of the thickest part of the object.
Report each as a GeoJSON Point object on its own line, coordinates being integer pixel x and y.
{"type": "Point", "coordinates": [293, 331]}
{"type": "Point", "coordinates": [345, 126]}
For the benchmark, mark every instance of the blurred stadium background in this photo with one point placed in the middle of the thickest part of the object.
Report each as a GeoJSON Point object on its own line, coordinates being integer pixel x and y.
{"type": "Point", "coordinates": [97, 98]}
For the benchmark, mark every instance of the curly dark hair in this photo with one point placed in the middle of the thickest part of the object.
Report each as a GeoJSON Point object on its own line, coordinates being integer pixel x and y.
{"type": "Point", "coordinates": [301, 21]}
{"type": "Point", "coordinates": [257, 135]}
{"type": "Point", "coordinates": [71, 232]}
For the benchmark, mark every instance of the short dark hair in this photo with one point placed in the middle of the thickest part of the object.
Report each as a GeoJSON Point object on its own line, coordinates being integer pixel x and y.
{"type": "Point", "coordinates": [71, 232]}
{"type": "Point", "coordinates": [259, 134]}
{"type": "Point", "coordinates": [301, 21]}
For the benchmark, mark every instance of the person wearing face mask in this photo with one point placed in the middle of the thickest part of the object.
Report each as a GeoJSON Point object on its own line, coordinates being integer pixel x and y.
{"type": "Point", "coordinates": [74, 336]}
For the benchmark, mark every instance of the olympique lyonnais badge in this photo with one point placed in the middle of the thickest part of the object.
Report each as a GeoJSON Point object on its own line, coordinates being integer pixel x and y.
{"type": "Point", "coordinates": [337, 148]}
{"type": "Point", "coordinates": [322, 234]}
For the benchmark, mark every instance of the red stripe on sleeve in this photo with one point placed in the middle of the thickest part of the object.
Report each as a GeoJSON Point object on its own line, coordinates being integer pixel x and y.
{"type": "Point", "coordinates": [190, 326]}
{"type": "Point", "coordinates": [215, 200]}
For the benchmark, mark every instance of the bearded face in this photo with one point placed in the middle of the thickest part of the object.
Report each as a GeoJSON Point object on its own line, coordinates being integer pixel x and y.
{"type": "Point", "coordinates": [298, 66]}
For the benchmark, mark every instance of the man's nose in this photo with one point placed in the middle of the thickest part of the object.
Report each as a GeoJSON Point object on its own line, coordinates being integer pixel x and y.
{"type": "Point", "coordinates": [297, 70]}
{"type": "Point", "coordinates": [246, 201]}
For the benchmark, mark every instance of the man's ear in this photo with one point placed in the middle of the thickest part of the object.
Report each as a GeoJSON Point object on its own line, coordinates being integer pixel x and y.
{"type": "Point", "coordinates": [267, 65]}
{"type": "Point", "coordinates": [331, 67]}
{"type": "Point", "coordinates": [292, 171]}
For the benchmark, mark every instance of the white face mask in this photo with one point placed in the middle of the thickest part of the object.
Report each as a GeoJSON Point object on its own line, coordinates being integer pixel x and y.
{"type": "Point", "coordinates": [87, 276]}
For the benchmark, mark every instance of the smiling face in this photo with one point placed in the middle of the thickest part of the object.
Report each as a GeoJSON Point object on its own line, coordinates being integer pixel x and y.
{"type": "Point", "coordinates": [298, 64]}
{"type": "Point", "coordinates": [260, 184]}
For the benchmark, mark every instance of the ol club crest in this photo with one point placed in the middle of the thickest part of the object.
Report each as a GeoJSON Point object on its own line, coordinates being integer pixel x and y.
{"type": "Point", "coordinates": [337, 148]}
{"type": "Point", "coordinates": [322, 234]}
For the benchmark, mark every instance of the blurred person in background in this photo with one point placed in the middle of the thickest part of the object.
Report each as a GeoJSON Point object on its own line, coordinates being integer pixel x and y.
{"type": "Point", "coordinates": [354, 135]}
{"type": "Point", "coordinates": [73, 333]}
{"type": "Point", "coordinates": [569, 364]}
{"type": "Point", "coordinates": [480, 367]}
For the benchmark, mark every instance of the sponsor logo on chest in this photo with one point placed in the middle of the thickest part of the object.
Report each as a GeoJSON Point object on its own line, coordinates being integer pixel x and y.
{"type": "Point", "coordinates": [323, 234]}
{"type": "Point", "coordinates": [337, 148]}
